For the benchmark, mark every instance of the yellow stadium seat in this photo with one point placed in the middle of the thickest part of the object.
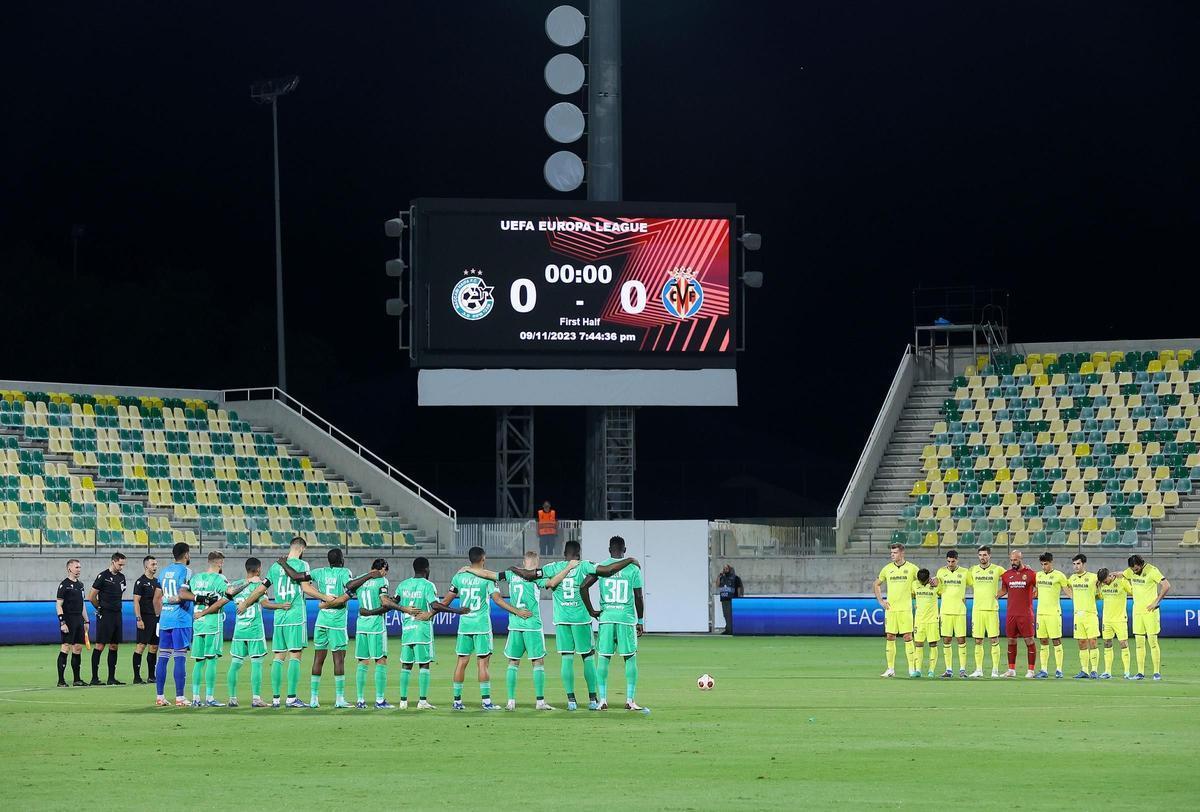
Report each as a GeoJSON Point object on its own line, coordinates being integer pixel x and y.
{"type": "Point", "coordinates": [1093, 538]}
{"type": "Point", "coordinates": [1154, 366]}
{"type": "Point", "coordinates": [1089, 525]}
{"type": "Point", "coordinates": [1020, 538]}
{"type": "Point", "coordinates": [931, 540]}
{"type": "Point", "coordinates": [1191, 538]}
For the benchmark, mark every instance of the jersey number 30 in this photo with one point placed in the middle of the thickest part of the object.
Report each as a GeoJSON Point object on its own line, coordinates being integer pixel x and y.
{"type": "Point", "coordinates": [616, 591]}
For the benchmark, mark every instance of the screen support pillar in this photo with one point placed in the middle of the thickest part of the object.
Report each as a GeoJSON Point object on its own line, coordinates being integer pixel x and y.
{"type": "Point", "coordinates": [611, 462]}
{"type": "Point", "coordinates": [514, 462]}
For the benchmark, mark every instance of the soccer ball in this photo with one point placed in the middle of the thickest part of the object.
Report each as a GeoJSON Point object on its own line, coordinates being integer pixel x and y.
{"type": "Point", "coordinates": [705, 683]}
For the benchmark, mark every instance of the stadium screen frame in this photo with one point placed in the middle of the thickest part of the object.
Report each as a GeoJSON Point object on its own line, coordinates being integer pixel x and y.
{"type": "Point", "coordinates": [431, 280]}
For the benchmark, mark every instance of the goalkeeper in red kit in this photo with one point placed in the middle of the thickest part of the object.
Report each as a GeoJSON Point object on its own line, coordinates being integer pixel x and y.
{"type": "Point", "coordinates": [1017, 584]}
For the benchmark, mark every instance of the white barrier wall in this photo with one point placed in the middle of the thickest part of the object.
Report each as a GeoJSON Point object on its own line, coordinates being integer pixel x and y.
{"type": "Point", "coordinates": [674, 558]}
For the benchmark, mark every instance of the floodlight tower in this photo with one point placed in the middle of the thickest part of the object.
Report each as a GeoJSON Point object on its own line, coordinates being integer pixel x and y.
{"type": "Point", "coordinates": [268, 91]}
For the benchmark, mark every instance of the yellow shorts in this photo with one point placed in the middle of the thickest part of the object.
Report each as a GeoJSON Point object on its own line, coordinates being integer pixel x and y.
{"type": "Point", "coordinates": [985, 623]}
{"type": "Point", "coordinates": [1087, 626]}
{"type": "Point", "coordinates": [927, 632]}
{"type": "Point", "coordinates": [1147, 622]}
{"type": "Point", "coordinates": [1119, 629]}
{"type": "Point", "coordinates": [898, 621]}
{"type": "Point", "coordinates": [956, 625]}
{"type": "Point", "coordinates": [1049, 627]}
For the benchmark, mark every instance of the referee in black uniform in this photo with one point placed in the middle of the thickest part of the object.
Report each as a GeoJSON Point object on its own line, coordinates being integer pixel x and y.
{"type": "Point", "coordinates": [146, 611]}
{"type": "Point", "coordinates": [106, 593]}
{"type": "Point", "coordinates": [72, 621]}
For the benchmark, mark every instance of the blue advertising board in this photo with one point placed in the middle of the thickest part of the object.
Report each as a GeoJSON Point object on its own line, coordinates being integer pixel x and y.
{"type": "Point", "coordinates": [856, 615]}
{"type": "Point", "coordinates": [36, 622]}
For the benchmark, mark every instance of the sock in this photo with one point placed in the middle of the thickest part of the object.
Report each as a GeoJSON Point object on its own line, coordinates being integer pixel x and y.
{"type": "Point", "coordinates": [962, 656]}
{"type": "Point", "coordinates": [314, 686]}
{"type": "Point", "coordinates": [231, 679]}
{"type": "Point", "coordinates": [62, 665]}
{"type": "Point", "coordinates": [1085, 659]}
{"type": "Point", "coordinates": [1012, 655]}
{"type": "Point", "coordinates": [380, 682]}
{"type": "Point", "coordinates": [1125, 658]}
{"type": "Point", "coordinates": [112, 664]}
{"type": "Point", "coordinates": [423, 683]}
{"type": "Point", "coordinates": [210, 677]}
{"type": "Point", "coordinates": [180, 660]}
{"type": "Point", "coordinates": [539, 682]}
{"type": "Point", "coordinates": [1108, 660]}
{"type": "Point", "coordinates": [75, 658]}
{"type": "Point", "coordinates": [458, 692]}
{"type": "Point", "coordinates": [1030, 655]}
{"type": "Point", "coordinates": [360, 680]}
{"type": "Point", "coordinates": [602, 674]}
{"type": "Point", "coordinates": [95, 665]}
{"type": "Point", "coordinates": [1058, 656]}
{"type": "Point", "coordinates": [197, 677]}
{"type": "Point", "coordinates": [889, 654]}
{"type": "Point", "coordinates": [979, 655]}
{"type": "Point", "coordinates": [1141, 653]}
{"type": "Point", "coordinates": [1045, 647]}
{"type": "Point", "coordinates": [589, 676]}
{"type": "Point", "coordinates": [485, 691]}
{"type": "Point", "coordinates": [995, 650]}
{"type": "Point", "coordinates": [339, 687]}
{"type": "Point", "coordinates": [276, 677]}
{"type": "Point", "coordinates": [1095, 660]}
{"type": "Point", "coordinates": [948, 655]}
{"type": "Point", "coordinates": [567, 672]}
{"type": "Point", "coordinates": [910, 654]}
{"type": "Point", "coordinates": [1155, 653]}
{"type": "Point", "coordinates": [405, 676]}
{"type": "Point", "coordinates": [631, 675]}
{"type": "Point", "coordinates": [137, 665]}
{"type": "Point", "coordinates": [510, 682]}
{"type": "Point", "coordinates": [293, 677]}
{"type": "Point", "coordinates": [151, 660]}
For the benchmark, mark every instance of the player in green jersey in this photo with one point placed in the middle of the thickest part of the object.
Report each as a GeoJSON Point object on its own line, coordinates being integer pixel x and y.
{"type": "Point", "coordinates": [418, 602]}
{"type": "Point", "coordinates": [525, 635]}
{"type": "Point", "coordinates": [621, 616]}
{"type": "Point", "coordinates": [330, 633]}
{"type": "Point", "coordinates": [208, 628]}
{"type": "Point", "coordinates": [249, 640]}
{"type": "Point", "coordinates": [370, 636]}
{"type": "Point", "coordinates": [572, 623]}
{"type": "Point", "coordinates": [1087, 624]}
{"type": "Point", "coordinates": [475, 627]}
{"type": "Point", "coordinates": [290, 635]}
{"type": "Point", "coordinates": [1114, 591]}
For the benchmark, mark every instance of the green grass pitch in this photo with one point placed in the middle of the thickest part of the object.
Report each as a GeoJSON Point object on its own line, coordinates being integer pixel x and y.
{"type": "Point", "coordinates": [793, 723]}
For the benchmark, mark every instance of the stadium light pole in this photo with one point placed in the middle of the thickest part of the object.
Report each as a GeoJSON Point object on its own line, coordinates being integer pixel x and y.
{"type": "Point", "coordinates": [264, 91]}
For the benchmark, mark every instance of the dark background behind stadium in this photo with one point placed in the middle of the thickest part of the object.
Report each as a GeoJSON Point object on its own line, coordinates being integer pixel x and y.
{"type": "Point", "coordinates": [1046, 148]}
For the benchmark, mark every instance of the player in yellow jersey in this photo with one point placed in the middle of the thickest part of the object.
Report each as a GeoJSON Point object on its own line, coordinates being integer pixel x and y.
{"type": "Point", "coordinates": [1087, 624]}
{"type": "Point", "coordinates": [952, 581]}
{"type": "Point", "coordinates": [925, 626]}
{"type": "Point", "coordinates": [1149, 588]}
{"type": "Point", "coordinates": [1115, 592]}
{"type": "Point", "coordinates": [1050, 584]}
{"type": "Point", "coordinates": [984, 580]}
{"type": "Point", "coordinates": [899, 575]}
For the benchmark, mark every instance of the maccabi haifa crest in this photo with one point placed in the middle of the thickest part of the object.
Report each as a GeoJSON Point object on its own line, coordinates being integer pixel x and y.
{"type": "Point", "coordinates": [682, 294]}
{"type": "Point", "coordinates": [472, 296]}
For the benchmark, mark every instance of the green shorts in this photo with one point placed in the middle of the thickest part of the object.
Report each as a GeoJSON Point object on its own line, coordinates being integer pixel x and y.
{"type": "Point", "coordinates": [416, 653]}
{"type": "Point", "coordinates": [478, 644]}
{"type": "Point", "coordinates": [205, 646]}
{"type": "Point", "coordinates": [574, 638]}
{"type": "Point", "coordinates": [289, 638]}
{"type": "Point", "coordinates": [326, 639]}
{"type": "Point", "coordinates": [525, 642]}
{"type": "Point", "coordinates": [617, 638]}
{"type": "Point", "coordinates": [370, 645]}
{"type": "Point", "coordinates": [241, 649]}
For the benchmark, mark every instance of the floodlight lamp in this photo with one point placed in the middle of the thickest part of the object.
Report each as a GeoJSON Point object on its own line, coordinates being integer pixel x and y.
{"type": "Point", "coordinates": [395, 307]}
{"type": "Point", "coordinates": [396, 267]}
{"type": "Point", "coordinates": [394, 227]}
{"type": "Point", "coordinates": [751, 241]}
{"type": "Point", "coordinates": [266, 90]}
{"type": "Point", "coordinates": [752, 279]}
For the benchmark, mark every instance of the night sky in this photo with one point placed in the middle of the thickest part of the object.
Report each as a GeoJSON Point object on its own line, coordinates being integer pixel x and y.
{"type": "Point", "coordinates": [1046, 148]}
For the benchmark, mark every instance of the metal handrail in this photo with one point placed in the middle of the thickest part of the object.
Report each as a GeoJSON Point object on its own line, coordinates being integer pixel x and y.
{"type": "Point", "coordinates": [367, 455]}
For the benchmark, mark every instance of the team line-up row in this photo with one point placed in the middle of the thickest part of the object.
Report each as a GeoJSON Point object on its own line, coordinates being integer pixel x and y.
{"type": "Point", "coordinates": [181, 614]}
{"type": "Point", "coordinates": [906, 586]}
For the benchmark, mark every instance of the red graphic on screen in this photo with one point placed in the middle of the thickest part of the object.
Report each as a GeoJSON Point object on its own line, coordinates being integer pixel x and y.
{"type": "Point", "coordinates": [669, 247]}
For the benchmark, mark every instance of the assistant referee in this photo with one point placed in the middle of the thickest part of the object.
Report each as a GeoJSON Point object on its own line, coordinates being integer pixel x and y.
{"type": "Point", "coordinates": [106, 593]}
{"type": "Point", "coordinates": [72, 622]}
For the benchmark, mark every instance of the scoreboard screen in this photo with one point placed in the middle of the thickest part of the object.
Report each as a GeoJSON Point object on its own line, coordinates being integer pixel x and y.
{"type": "Point", "coordinates": [502, 283]}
